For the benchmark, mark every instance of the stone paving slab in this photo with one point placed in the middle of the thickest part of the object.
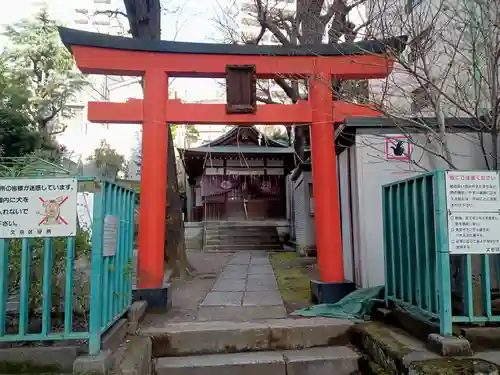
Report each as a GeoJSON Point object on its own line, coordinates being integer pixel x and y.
{"type": "Point", "coordinates": [230, 285]}
{"type": "Point", "coordinates": [240, 313]}
{"type": "Point", "coordinates": [246, 289]}
{"type": "Point", "coordinates": [261, 286]}
{"type": "Point", "coordinates": [260, 269]}
{"type": "Point", "coordinates": [233, 275]}
{"type": "Point", "coordinates": [240, 261]}
{"type": "Point", "coordinates": [262, 298]}
{"type": "Point", "coordinates": [223, 299]}
{"type": "Point", "coordinates": [230, 268]}
{"type": "Point", "coordinates": [259, 260]}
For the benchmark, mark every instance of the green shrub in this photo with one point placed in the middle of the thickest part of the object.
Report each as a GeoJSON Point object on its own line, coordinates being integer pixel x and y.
{"type": "Point", "coordinates": [58, 271]}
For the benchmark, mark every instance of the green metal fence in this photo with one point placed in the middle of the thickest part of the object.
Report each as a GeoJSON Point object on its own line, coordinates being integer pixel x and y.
{"type": "Point", "coordinates": [420, 273]}
{"type": "Point", "coordinates": [30, 166]}
{"type": "Point", "coordinates": [51, 261]}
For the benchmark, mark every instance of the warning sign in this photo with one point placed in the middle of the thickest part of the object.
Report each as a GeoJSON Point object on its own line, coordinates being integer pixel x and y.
{"type": "Point", "coordinates": [397, 147]}
{"type": "Point", "coordinates": [473, 208]}
{"type": "Point", "coordinates": [38, 207]}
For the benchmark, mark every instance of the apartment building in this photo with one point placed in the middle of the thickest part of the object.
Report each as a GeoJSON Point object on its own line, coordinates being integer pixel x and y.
{"type": "Point", "coordinates": [249, 28]}
{"type": "Point", "coordinates": [437, 74]}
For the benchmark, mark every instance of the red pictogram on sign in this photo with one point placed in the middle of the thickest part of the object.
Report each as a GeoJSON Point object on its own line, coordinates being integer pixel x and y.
{"type": "Point", "coordinates": [397, 148]}
{"type": "Point", "coordinates": [52, 211]}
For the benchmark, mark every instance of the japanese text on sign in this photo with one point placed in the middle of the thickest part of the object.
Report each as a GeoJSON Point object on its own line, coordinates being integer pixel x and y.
{"type": "Point", "coordinates": [474, 233]}
{"type": "Point", "coordinates": [472, 191]}
{"type": "Point", "coordinates": [473, 207]}
{"type": "Point", "coordinates": [38, 207]}
{"type": "Point", "coordinates": [110, 235]}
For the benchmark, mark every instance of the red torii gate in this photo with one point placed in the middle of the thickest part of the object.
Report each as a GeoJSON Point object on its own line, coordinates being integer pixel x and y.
{"type": "Point", "coordinates": [157, 61]}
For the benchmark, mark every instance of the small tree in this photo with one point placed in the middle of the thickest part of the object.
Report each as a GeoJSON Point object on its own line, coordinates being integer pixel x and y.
{"type": "Point", "coordinates": [41, 78]}
{"type": "Point", "coordinates": [108, 160]}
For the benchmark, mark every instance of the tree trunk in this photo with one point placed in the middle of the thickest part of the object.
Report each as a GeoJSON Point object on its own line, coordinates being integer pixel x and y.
{"type": "Point", "coordinates": [144, 19]}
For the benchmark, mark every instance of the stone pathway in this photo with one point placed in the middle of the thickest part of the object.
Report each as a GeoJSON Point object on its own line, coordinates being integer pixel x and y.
{"type": "Point", "coordinates": [245, 290]}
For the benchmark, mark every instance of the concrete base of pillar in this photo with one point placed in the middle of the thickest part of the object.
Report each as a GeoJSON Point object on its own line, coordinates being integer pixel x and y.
{"type": "Point", "coordinates": [158, 299]}
{"type": "Point", "coordinates": [323, 292]}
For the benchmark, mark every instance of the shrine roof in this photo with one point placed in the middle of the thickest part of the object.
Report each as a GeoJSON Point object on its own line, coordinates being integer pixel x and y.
{"type": "Point", "coordinates": [73, 37]}
{"type": "Point", "coordinates": [244, 149]}
{"type": "Point", "coordinates": [232, 134]}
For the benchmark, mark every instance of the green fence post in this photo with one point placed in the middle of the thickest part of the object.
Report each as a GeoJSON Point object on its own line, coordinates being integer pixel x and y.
{"type": "Point", "coordinates": [442, 253]}
{"type": "Point", "coordinates": [97, 271]}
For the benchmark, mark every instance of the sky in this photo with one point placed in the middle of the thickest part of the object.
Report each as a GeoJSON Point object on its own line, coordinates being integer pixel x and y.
{"type": "Point", "coordinates": [192, 22]}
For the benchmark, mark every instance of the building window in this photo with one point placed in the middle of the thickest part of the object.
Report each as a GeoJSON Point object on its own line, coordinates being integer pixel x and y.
{"type": "Point", "coordinates": [248, 8]}
{"type": "Point", "coordinates": [410, 4]}
{"type": "Point", "coordinates": [311, 199]}
{"type": "Point", "coordinates": [420, 45]}
{"type": "Point", "coordinates": [421, 99]}
{"type": "Point", "coordinates": [250, 22]}
{"type": "Point", "coordinates": [82, 21]}
{"type": "Point", "coordinates": [101, 22]}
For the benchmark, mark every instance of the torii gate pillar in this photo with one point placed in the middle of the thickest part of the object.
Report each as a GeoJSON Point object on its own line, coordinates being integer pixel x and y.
{"type": "Point", "coordinates": [154, 176]}
{"type": "Point", "coordinates": [332, 286]}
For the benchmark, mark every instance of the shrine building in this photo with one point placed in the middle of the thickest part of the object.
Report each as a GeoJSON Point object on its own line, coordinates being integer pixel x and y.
{"type": "Point", "coordinates": [239, 176]}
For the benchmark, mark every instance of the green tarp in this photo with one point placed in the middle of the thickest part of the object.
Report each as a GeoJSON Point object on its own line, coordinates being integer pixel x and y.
{"type": "Point", "coordinates": [355, 306]}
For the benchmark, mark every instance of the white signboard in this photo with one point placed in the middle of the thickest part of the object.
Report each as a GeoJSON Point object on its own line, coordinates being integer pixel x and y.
{"type": "Point", "coordinates": [38, 207]}
{"type": "Point", "coordinates": [474, 233]}
{"type": "Point", "coordinates": [110, 234]}
{"type": "Point", "coordinates": [472, 191]}
{"type": "Point", "coordinates": [473, 206]}
{"type": "Point", "coordinates": [85, 204]}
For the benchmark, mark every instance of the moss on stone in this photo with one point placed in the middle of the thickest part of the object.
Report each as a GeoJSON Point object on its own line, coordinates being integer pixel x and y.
{"type": "Point", "coordinates": [451, 366]}
{"type": "Point", "coordinates": [374, 369]}
{"type": "Point", "coordinates": [381, 335]}
{"type": "Point", "coordinates": [294, 284]}
{"type": "Point", "coordinates": [27, 367]}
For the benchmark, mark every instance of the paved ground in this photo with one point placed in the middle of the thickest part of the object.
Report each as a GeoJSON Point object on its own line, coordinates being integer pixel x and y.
{"type": "Point", "coordinates": [246, 289]}
{"type": "Point", "coordinates": [238, 287]}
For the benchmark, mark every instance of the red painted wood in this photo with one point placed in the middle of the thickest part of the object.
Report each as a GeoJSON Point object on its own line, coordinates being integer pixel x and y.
{"type": "Point", "coordinates": [120, 62]}
{"type": "Point", "coordinates": [200, 114]}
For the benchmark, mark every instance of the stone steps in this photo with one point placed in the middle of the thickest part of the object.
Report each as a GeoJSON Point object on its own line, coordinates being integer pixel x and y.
{"type": "Point", "coordinates": [340, 360]}
{"type": "Point", "coordinates": [217, 337]}
{"type": "Point", "coordinates": [241, 231]}
{"type": "Point", "coordinates": [316, 346]}
{"type": "Point", "coordinates": [238, 241]}
{"type": "Point", "coordinates": [238, 235]}
{"type": "Point", "coordinates": [245, 223]}
{"type": "Point", "coordinates": [228, 238]}
{"type": "Point", "coordinates": [238, 247]}
{"type": "Point", "coordinates": [390, 350]}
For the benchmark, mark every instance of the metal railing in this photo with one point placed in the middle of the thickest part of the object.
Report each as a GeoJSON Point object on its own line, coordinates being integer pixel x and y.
{"type": "Point", "coordinates": [30, 166]}
{"type": "Point", "coordinates": [53, 261]}
{"type": "Point", "coordinates": [420, 273]}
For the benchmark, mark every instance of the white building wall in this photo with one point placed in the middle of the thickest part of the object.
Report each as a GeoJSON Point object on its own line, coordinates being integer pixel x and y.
{"type": "Point", "coordinates": [369, 172]}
